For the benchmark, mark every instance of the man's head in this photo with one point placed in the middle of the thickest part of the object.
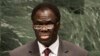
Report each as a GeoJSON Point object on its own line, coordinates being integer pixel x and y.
{"type": "Point", "coordinates": [46, 21]}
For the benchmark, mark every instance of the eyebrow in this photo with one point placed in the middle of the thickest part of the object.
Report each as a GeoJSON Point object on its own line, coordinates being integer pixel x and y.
{"type": "Point", "coordinates": [45, 22]}
{"type": "Point", "coordinates": [47, 19]}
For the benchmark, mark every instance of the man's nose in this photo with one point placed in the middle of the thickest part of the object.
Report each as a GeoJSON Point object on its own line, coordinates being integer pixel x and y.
{"type": "Point", "coordinates": [44, 28]}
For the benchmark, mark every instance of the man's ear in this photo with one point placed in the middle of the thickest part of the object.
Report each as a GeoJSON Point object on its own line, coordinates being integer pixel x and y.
{"type": "Point", "coordinates": [58, 25]}
{"type": "Point", "coordinates": [33, 25]}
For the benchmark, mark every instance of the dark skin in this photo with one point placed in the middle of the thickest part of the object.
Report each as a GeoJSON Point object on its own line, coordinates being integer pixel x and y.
{"type": "Point", "coordinates": [44, 35]}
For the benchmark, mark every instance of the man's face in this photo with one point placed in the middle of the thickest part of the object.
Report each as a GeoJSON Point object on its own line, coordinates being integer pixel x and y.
{"type": "Point", "coordinates": [46, 26]}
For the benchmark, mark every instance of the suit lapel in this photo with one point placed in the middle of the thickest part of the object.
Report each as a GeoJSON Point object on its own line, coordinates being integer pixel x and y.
{"type": "Point", "coordinates": [34, 49]}
{"type": "Point", "coordinates": [62, 51]}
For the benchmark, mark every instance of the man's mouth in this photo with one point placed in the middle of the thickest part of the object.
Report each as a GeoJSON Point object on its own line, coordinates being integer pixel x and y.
{"type": "Point", "coordinates": [44, 36]}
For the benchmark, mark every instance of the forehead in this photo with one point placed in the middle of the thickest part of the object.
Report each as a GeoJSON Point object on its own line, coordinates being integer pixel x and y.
{"type": "Point", "coordinates": [46, 14]}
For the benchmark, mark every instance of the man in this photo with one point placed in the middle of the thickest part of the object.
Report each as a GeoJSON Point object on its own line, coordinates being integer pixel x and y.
{"type": "Point", "coordinates": [46, 23]}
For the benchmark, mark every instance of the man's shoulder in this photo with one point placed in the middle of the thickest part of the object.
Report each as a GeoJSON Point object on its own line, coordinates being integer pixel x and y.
{"type": "Point", "coordinates": [74, 48]}
{"type": "Point", "coordinates": [24, 49]}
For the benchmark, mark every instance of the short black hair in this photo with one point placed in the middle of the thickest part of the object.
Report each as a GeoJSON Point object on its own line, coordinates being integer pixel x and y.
{"type": "Point", "coordinates": [44, 6]}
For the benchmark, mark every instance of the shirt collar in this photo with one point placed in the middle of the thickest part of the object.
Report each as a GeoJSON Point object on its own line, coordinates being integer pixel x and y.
{"type": "Point", "coordinates": [53, 47]}
{"type": "Point", "coordinates": [41, 47]}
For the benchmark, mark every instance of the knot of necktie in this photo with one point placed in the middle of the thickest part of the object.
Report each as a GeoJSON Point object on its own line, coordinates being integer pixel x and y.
{"type": "Point", "coordinates": [47, 51]}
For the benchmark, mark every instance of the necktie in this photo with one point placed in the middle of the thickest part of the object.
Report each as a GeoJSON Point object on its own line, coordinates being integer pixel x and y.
{"type": "Point", "coordinates": [47, 51]}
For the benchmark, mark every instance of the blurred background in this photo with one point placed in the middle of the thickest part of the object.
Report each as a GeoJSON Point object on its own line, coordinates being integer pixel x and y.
{"type": "Point", "coordinates": [80, 23]}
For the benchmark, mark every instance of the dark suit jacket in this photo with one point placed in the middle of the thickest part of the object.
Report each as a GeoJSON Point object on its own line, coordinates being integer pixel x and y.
{"type": "Point", "coordinates": [65, 49]}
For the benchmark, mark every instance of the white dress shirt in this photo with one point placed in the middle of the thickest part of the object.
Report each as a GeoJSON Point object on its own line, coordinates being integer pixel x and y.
{"type": "Point", "coordinates": [54, 48]}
